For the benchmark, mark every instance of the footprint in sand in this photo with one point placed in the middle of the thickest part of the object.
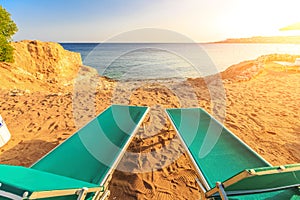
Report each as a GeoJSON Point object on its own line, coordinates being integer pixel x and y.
{"type": "Point", "coordinates": [187, 177]}
{"type": "Point", "coordinates": [253, 114]}
{"type": "Point", "coordinates": [163, 196]}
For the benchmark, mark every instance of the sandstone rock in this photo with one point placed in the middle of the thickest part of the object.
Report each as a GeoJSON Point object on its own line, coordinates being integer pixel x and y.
{"type": "Point", "coordinates": [47, 60]}
{"type": "Point", "coordinates": [41, 66]}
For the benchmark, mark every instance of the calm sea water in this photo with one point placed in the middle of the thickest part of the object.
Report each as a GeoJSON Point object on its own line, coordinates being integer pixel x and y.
{"type": "Point", "coordinates": [163, 61]}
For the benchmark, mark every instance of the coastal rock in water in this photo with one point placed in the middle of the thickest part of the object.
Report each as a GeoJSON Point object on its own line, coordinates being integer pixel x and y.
{"type": "Point", "coordinates": [246, 70]}
{"type": "Point", "coordinates": [242, 71]}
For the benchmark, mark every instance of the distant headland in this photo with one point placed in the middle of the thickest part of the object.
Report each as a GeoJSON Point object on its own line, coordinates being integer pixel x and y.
{"type": "Point", "coordinates": [264, 39]}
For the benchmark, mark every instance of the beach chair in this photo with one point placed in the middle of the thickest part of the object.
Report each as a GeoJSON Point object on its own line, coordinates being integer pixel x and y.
{"type": "Point", "coordinates": [4, 133]}
{"type": "Point", "coordinates": [80, 167]}
{"type": "Point", "coordinates": [228, 168]}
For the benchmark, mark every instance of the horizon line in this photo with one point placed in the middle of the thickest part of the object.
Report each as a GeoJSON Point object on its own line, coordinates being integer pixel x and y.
{"type": "Point", "coordinates": [162, 42]}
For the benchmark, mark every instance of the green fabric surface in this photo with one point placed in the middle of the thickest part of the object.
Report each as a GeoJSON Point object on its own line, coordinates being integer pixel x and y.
{"type": "Point", "coordinates": [268, 181]}
{"type": "Point", "coordinates": [83, 160]}
{"type": "Point", "coordinates": [217, 152]}
{"type": "Point", "coordinates": [17, 180]}
{"type": "Point", "coordinates": [90, 153]}
{"type": "Point", "coordinates": [287, 194]}
{"type": "Point", "coordinates": [264, 169]}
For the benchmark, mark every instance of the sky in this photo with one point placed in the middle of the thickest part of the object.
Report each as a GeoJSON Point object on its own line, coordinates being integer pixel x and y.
{"type": "Point", "coordinates": [199, 20]}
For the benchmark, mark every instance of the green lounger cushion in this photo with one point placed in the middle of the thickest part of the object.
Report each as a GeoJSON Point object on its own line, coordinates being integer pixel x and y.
{"type": "Point", "coordinates": [227, 157]}
{"type": "Point", "coordinates": [267, 178]}
{"type": "Point", "coordinates": [287, 194]}
{"type": "Point", "coordinates": [264, 179]}
{"type": "Point", "coordinates": [86, 159]}
{"type": "Point", "coordinates": [17, 180]}
{"type": "Point", "coordinates": [92, 152]}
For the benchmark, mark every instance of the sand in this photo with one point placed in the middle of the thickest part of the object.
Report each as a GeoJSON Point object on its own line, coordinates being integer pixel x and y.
{"type": "Point", "coordinates": [263, 110]}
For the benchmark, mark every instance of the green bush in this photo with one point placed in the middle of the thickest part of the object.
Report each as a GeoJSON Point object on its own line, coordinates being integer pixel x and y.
{"type": "Point", "coordinates": [7, 29]}
{"type": "Point", "coordinates": [6, 50]}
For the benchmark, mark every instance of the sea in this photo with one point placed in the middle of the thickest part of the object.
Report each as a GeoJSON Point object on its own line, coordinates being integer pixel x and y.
{"type": "Point", "coordinates": [140, 61]}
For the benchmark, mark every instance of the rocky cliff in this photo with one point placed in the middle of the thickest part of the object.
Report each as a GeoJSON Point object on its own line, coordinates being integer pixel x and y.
{"type": "Point", "coordinates": [247, 70]}
{"type": "Point", "coordinates": [46, 60]}
{"type": "Point", "coordinates": [39, 66]}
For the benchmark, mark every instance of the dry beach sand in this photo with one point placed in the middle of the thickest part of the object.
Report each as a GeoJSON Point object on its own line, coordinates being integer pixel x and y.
{"type": "Point", "coordinates": [42, 108]}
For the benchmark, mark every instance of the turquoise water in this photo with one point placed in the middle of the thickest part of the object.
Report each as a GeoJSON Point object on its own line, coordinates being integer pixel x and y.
{"type": "Point", "coordinates": [162, 61]}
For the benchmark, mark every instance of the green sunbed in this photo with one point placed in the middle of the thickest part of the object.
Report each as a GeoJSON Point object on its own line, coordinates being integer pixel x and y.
{"type": "Point", "coordinates": [80, 167]}
{"type": "Point", "coordinates": [227, 167]}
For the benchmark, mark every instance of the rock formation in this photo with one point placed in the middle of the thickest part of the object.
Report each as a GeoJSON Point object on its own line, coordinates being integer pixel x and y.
{"type": "Point", "coordinates": [38, 66]}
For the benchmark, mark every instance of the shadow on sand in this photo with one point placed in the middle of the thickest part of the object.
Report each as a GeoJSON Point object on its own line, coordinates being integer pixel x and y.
{"type": "Point", "coordinates": [26, 152]}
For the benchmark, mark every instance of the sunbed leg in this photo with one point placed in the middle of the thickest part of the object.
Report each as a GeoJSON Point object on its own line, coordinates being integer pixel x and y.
{"type": "Point", "coordinates": [221, 191]}
{"type": "Point", "coordinates": [82, 193]}
{"type": "Point", "coordinates": [103, 195]}
{"type": "Point", "coordinates": [201, 186]}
